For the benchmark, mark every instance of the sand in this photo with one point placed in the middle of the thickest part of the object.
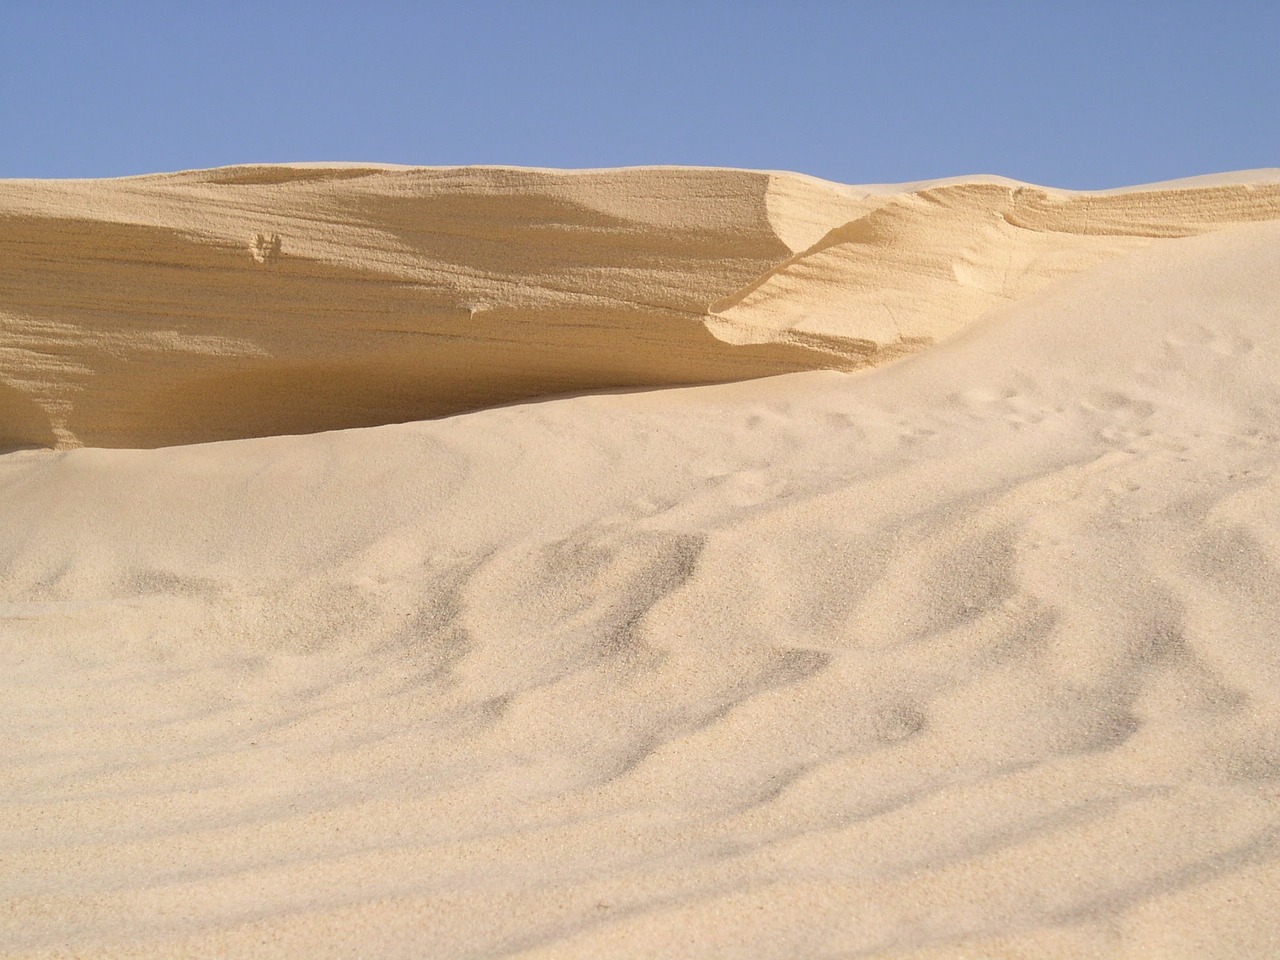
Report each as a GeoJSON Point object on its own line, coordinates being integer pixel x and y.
{"type": "Point", "coordinates": [958, 639]}
{"type": "Point", "coordinates": [255, 301]}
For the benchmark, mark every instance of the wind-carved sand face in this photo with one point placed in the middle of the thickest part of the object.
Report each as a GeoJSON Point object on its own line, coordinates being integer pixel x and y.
{"type": "Point", "coordinates": [455, 289]}
{"type": "Point", "coordinates": [265, 248]}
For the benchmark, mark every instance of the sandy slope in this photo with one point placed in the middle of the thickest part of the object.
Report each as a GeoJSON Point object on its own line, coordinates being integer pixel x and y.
{"type": "Point", "coordinates": [971, 655]}
{"type": "Point", "coordinates": [253, 301]}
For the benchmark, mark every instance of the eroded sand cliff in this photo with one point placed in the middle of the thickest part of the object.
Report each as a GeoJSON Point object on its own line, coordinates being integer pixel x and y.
{"type": "Point", "coordinates": [253, 301]}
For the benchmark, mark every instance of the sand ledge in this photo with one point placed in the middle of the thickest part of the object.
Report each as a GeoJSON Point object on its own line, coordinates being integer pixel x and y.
{"type": "Point", "coordinates": [264, 300]}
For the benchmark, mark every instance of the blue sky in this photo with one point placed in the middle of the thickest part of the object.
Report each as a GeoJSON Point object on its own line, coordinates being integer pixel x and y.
{"type": "Point", "coordinates": [1067, 94]}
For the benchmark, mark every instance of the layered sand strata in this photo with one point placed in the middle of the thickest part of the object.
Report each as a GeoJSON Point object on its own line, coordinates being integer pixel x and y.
{"type": "Point", "coordinates": [254, 301]}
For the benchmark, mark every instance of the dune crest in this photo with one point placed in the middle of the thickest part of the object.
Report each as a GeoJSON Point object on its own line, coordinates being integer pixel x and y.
{"type": "Point", "coordinates": [263, 300]}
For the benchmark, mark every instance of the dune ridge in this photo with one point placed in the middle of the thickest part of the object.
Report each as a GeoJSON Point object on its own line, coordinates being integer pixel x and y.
{"type": "Point", "coordinates": [969, 655]}
{"type": "Point", "coordinates": [262, 300]}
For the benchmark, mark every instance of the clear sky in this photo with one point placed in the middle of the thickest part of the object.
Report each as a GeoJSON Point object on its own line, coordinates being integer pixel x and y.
{"type": "Point", "coordinates": [1077, 94]}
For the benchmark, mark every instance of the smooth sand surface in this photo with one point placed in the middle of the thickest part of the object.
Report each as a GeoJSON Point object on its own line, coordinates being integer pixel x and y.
{"type": "Point", "coordinates": [972, 654]}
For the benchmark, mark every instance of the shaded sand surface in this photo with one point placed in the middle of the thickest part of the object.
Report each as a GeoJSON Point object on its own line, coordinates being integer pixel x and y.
{"type": "Point", "coordinates": [972, 655]}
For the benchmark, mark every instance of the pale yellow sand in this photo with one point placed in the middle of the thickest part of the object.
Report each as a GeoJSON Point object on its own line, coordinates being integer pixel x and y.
{"type": "Point", "coordinates": [251, 301]}
{"type": "Point", "coordinates": [972, 655]}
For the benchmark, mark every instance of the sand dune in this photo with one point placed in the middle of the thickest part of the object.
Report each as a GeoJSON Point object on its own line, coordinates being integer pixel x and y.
{"type": "Point", "coordinates": [255, 301]}
{"type": "Point", "coordinates": [970, 655]}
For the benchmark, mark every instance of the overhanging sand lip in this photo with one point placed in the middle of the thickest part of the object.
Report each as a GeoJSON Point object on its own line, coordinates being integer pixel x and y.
{"type": "Point", "coordinates": [260, 299]}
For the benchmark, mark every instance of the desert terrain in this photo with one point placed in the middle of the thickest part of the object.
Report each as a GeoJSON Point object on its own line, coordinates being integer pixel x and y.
{"type": "Point", "coordinates": [655, 562]}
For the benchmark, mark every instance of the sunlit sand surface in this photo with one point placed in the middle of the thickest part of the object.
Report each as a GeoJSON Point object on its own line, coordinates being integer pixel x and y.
{"type": "Point", "coordinates": [960, 638]}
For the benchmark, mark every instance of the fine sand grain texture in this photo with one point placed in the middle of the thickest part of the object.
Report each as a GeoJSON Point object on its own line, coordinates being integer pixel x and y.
{"type": "Point", "coordinates": [974, 654]}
